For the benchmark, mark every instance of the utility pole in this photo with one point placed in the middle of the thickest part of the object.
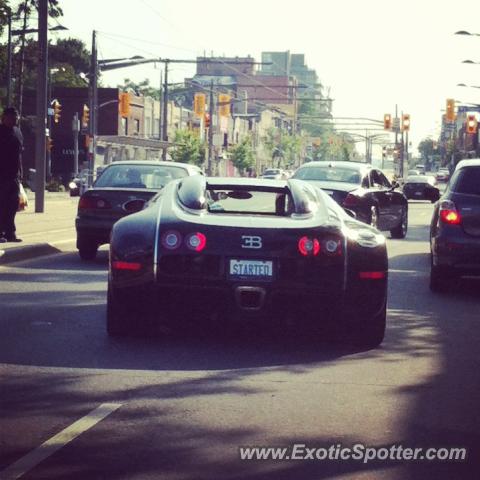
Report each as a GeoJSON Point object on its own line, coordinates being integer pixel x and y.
{"type": "Point", "coordinates": [42, 75]}
{"type": "Point", "coordinates": [160, 98]}
{"type": "Point", "coordinates": [75, 130]}
{"type": "Point", "coordinates": [9, 58]}
{"type": "Point", "coordinates": [165, 110]}
{"type": "Point", "coordinates": [210, 132]}
{"type": "Point", "coordinates": [93, 94]}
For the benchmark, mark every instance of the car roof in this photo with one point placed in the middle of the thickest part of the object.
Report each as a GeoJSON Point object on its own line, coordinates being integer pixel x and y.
{"type": "Point", "coordinates": [155, 163]}
{"type": "Point", "coordinates": [471, 162]}
{"type": "Point", "coordinates": [418, 178]}
{"type": "Point", "coordinates": [334, 163]}
{"type": "Point", "coordinates": [244, 181]}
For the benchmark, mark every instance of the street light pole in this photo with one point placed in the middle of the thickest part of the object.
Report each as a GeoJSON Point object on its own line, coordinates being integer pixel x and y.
{"type": "Point", "coordinates": [165, 110]}
{"type": "Point", "coordinates": [9, 59]}
{"type": "Point", "coordinates": [42, 74]}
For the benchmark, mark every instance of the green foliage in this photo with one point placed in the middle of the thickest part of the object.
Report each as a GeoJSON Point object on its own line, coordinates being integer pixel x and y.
{"type": "Point", "coordinates": [143, 88]}
{"type": "Point", "coordinates": [426, 148]}
{"type": "Point", "coordinates": [189, 148]}
{"type": "Point", "coordinates": [242, 155]}
{"type": "Point", "coordinates": [283, 147]}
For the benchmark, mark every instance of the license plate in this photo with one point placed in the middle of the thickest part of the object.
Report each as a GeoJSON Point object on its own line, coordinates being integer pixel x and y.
{"type": "Point", "coordinates": [251, 269]}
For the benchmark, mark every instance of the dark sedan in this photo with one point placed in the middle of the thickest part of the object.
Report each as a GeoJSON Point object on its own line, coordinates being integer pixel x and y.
{"type": "Point", "coordinates": [122, 188]}
{"type": "Point", "coordinates": [455, 229]}
{"type": "Point", "coordinates": [248, 252]}
{"type": "Point", "coordinates": [421, 187]}
{"type": "Point", "coordinates": [362, 189]}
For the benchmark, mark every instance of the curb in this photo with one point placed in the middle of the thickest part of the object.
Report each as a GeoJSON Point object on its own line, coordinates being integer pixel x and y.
{"type": "Point", "coordinates": [26, 252]}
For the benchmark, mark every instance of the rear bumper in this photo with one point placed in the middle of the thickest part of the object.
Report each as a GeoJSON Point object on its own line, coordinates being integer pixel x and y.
{"type": "Point", "coordinates": [455, 250]}
{"type": "Point", "coordinates": [94, 229]}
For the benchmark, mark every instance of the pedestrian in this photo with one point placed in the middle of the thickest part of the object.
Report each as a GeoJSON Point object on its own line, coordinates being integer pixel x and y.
{"type": "Point", "coordinates": [11, 146]}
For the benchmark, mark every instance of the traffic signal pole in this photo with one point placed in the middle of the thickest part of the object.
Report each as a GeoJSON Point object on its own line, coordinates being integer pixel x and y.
{"type": "Point", "coordinates": [210, 132]}
{"type": "Point", "coordinates": [93, 100]}
{"type": "Point", "coordinates": [165, 111]}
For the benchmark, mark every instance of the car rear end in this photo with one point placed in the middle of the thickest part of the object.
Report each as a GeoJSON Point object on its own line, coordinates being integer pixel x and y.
{"type": "Point", "coordinates": [455, 230]}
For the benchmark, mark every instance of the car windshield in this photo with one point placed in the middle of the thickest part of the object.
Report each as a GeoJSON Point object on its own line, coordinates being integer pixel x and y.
{"type": "Point", "coordinates": [467, 181]}
{"type": "Point", "coordinates": [250, 201]}
{"type": "Point", "coordinates": [139, 176]}
{"type": "Point", "coordinates": [329, 174]}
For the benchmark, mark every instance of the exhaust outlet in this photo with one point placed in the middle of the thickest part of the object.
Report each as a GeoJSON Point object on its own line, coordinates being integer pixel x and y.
{"type": "Point", "coordinates": [250, 298]}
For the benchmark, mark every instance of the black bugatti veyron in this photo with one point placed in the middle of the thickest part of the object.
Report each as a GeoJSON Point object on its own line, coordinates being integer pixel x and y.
{"type": "Point", "coordinates": [246, 250]}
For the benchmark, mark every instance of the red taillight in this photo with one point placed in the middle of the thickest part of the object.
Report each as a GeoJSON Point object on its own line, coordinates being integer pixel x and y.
{"type": "Point", "coordinates": [132, 266]}
{"type": "Point", "coordinates": [449, 213]}
{"type": "Point", "coordinates": [171, 240]}
{"type": "Point", "coordinates": [308, 246]}
{"type": "Point", "coordinates": [90, 202]}
{"type": "Point", "coordinates": [196, 241]}
{"type": "Point", "coordinates": [350, 201]}
{"type": "Point", "coordinates": [372, 275]}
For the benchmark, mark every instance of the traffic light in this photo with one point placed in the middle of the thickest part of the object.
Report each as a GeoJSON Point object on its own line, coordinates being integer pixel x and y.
{"type": "Point", "coordinates": [387, 121]}
{"type": "Point", "coordinates": [405, 122]}
{"type": "Point", "coordinates": [207, 120]}
{"type": "Point", "coordinates": [57, 110]}
{"type": "Point", "coordinates": [85, 116]}
{"type": "Point", "coordinates": [124, 104]}
{"type": "Point", "coordinates": [450, 114]}
{"type": "Point", "coordinates": [49, 144]}
{"type": "Point", "coordinates": [471, 124]}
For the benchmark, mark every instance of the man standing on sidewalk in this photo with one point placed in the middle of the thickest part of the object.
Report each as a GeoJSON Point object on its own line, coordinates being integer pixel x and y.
{"type": "Point", "coordinates": [11, 146]}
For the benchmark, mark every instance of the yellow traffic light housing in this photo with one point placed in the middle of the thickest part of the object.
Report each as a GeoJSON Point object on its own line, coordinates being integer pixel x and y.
{"type": "Point", "coordinates": [450, 113]}
{"type": "Point", "coordinates": [57, 110]}
{"type": "Point", "coordinates": [224, 105]}
{"type": "Point", "coordinates": [85, 116]}
{"type": "Point", "coordinates": [387, 121]}
{"type": "Point", "coordinates": [199, 104]}
{"type": "Point", "coordinates": [124, 104]}
{"type": "Point", "coordinates": [471, 124]}
{"type": "Point", "coordinates": [405, 122]}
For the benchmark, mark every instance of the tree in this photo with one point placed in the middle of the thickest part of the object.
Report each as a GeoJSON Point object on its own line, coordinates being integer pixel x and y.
{"type": "Point", "coordinates": [426, 148]}
{"type": "Point", "coordinates": [188, 148]}
{"type": "Point", "coordinates": [143, 88]}
{"type": "Point", "coordinates": [242, 155]}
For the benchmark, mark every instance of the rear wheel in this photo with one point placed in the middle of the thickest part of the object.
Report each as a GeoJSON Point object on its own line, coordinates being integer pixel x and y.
{"type": "Point", "coordinates": [87, 249]}
{"type": "Point", "coordinates": [371, 332]}
{"type": "Point", "coordinates": [400, 231]}
{"type": "Point", "coordinates": [439, 279]}
{"type": "Point", "coordinates": [118, 319]}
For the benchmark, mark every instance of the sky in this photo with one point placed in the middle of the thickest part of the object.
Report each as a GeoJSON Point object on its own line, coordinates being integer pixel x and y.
{"type": "Point", "coordinates": [372, 54]}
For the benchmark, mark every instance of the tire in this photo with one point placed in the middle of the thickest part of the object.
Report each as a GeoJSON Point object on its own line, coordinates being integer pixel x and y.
{"type": "Point", "coordinates": [400, 231]}
{"type": "Point", "coordinates": [370, 332]}
{"type": "Point", "coordinates": [439, 280]}
{"type": "Point", "coordinates": [87, 249]}
{"type": "Point", "coordinates": [118, 321]}
{"type": "Point", "coordinates": [373, 217]}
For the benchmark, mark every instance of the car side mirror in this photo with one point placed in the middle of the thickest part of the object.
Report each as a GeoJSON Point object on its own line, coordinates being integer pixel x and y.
{"type": "Point", "coordinates": [351, 213]}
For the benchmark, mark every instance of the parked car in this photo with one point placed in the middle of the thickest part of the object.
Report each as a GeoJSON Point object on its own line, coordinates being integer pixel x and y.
{"type": "Point", "coordinates": [362, 189]}
{"type": "Point", "coordinates": [455, 228]}
{"type": "Point", "coordinates": [123, 188]}
{"type": "Point", "coordinates": [442, 175]}
{"type": "Point", "coordinates": [421, 187]}
{"type": "Point", "coordinates": [274, 174]}
{"type": "Point", "coordinates": [264, 253]}
{"type": "Point", "coordinates": [78, 183]}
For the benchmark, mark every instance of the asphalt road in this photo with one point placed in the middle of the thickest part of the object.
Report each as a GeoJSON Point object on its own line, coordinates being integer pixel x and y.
{"type": "Point", "coordinates": [172, 408]}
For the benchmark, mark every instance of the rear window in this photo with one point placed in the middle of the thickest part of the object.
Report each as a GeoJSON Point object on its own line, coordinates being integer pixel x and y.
{"type": "Point", "coordinates": [139, 176]}
{"type": "Point", "coordinates": [249, 201]}
{"type": "Point", "coordinates": [467, 181]}
{"type": "Point", "coordinates": [329, 174]}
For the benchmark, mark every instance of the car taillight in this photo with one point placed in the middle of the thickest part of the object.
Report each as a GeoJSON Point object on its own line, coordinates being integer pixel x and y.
{"type": "Point", "coordinates": [372, 275]}
{"type": "Point", "coordinates": [196, 241]}
{"type": "Point", "coordinates": [308, 246]}
{"type": "Point", "coordinates": [171, 240]}
{"type": "Point", "coordinates": [350, 201]}
{"type": "Point", "coordinates": [449, 213]}
{"type": "Point", "coordinates": [332, 247]}
{"type": "Point", "coordinates": [131, 266]}
{"type": "Point", "coordinates": [90, 202]}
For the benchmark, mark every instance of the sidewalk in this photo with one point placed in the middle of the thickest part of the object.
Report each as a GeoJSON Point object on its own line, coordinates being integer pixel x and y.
{"type": "Point", "coordinates": [43, 233]}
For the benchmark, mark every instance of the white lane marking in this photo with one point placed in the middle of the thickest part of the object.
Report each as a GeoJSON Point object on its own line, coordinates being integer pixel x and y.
{"type": "Point", "coordinates": [33, 458]}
